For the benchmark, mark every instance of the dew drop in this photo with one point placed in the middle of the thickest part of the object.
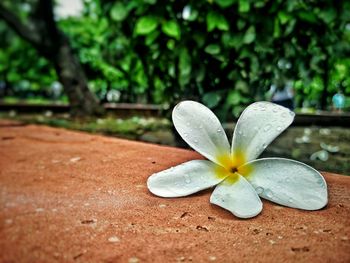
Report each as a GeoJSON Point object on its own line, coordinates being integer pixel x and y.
{"type": "Point", "coordinates": [284, 114]}
{"type": "Point", "coordinates": [200, 126]}
{"type": "Point", "coordinates": [275, 109]}
{"type": "Point", "coordinates": [279, 128]}
{"type": "Point", "coordinates": [195, 141]}
{"type": "Point", "coordinates": [291, 113]}
{"type": "Point", "coordinates": [259, 190]}
{"type": "Point", "coordinates": [264, 145]}
{"type": "Point", "coordinates": [187, 179]}
{"type": "Point", "coordinates": [185, 134]}
{"type": "Point", "coordinates": [240, 132]}
{"type": "Point", "coordinates": [262, 107]}
{"type": "Point", "coordinates": [290, 200]}
{"type": "Point", "coordinates": [267, 127]}
{"type": "Point", "coordinates": [218, 130]}
{"type": "Point", "coordinates": [269, 193]}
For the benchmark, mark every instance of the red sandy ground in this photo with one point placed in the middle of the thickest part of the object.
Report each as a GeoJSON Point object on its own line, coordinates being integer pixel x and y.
{"type": "Point", "coordinates": [73, 197]}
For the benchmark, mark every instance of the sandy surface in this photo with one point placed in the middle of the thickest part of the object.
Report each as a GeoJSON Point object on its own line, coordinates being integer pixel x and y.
{"type": "Point", "coordinates": [73, 197]}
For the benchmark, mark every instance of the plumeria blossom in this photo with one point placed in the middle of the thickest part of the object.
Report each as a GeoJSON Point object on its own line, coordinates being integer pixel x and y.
{"type": "Point", "coordinates": [239, 177]}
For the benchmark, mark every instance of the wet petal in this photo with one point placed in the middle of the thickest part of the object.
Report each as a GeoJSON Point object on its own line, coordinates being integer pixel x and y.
{"type": "Point", "coordinates": [289, 183]}
{"type": "Point", "coordinates": [184, 179]}
{"type": "Point", "coordinates": [238, 196]}
{"type": "Point", "coordinates": [258, 126]}
{"type": "Point", "coordinates": [202, 130]}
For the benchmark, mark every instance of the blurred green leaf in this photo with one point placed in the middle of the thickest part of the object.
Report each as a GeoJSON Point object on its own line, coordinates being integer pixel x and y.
{"type": "Point", "coordinates": [146, 25]}
{"type": "Point", "coordinates": [211, 99]}
{"type": "Point", "coordinates": [244, 6]}
{"type": "Point", "coordinates": [119, 12]}
{"type": "Point", "coordinates": [308, 16]}
{"type": "Point", "coordinates": [212, 49]}
{"type": "Point", "coordinates": [184, 66]}
{"type": "Point", "coordinates": [284, 17]}
{"type": "Point", "coordinates": [216, 20]}
{"type": "Point", "coordinates": [225, 3]}
{"type": "Point", "coordinates": [170, 44]}
{"type": "Point", "coordinates": [249, 36]}
{"type": "Point", "coordinates": [276, 29]}
{"type": "Point", "coordinates": [172, 29]}
{"type": "Point", "coordinates": [328, 15]}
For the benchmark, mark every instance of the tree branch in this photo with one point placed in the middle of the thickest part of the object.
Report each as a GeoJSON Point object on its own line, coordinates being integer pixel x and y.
{"type": "Point", "coordinates": [21, 29]}
{"type": "Point", "coordinates": [44, 13]}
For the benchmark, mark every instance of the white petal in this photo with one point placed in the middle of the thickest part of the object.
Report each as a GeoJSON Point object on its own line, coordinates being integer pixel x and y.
{"type": "Point", "coordinates": [288, 182]}
{"type": "Point", "coordinates": [201, 129]}
{"type": "Point", "coordinates": [258, 126]}
{"type": "Point", "coordinates": [184, 179]}
{"type": "Point", "coordinates": [238, 197]}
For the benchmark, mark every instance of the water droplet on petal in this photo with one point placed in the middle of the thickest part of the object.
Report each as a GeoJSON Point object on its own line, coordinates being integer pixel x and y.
{"type": "Point", "coordinates": [185, 134]}
{"type": "Point", "coordinates": [218, 130]}
{"type": "Point", "coordinates": [269, 193]}
{"type": "Point", "coordinates": [267, 127]}
{"type": "Point", "coordinates": [195, 141]}
{"type": "Point", "coordinates": [275, 109]}
{"type": "Point", "coordinates": [187, 179]}
{"type": "Point", "coordinates": [284, 114]}
{"type": "Point", "coordinates": [200, 126]}
{"type": "Point", "coordinates": [264, 145]}
{"type": "Point", "coordinates": [259, 190]}
{"type": "Point", "coordinates": [240, 132]}
{"type": "Point", "coordinates": [262, 107]}
{"type": "Point", "coordinates": [290, 200]}
{"type": "Point", "coordinates": [279, 128]}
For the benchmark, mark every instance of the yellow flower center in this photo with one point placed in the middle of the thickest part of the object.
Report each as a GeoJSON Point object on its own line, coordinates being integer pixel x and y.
{"type": "Point", "coordinates": [232, 166]}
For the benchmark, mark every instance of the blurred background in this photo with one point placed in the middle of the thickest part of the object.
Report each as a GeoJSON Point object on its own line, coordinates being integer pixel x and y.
{"type": "Point", "coordinates": [118, 67]}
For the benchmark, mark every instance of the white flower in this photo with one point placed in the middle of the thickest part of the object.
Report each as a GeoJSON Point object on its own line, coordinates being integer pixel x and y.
{"type": "Point", "coordinates": [239, 177]}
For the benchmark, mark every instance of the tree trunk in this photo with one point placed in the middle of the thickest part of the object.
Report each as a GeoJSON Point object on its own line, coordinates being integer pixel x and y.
{"type": "Point", "coordinates": [42, 32]}
{"type": "Point", "coordinates": [73, 79]}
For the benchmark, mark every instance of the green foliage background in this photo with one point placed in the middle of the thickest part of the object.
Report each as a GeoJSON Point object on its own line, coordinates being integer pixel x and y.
{"type": "Point", "coordinates": [225, 53]}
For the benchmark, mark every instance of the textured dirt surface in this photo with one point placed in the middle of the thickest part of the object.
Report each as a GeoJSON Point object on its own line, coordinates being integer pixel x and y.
{"type": "Point", "coordinates": [72, 197]}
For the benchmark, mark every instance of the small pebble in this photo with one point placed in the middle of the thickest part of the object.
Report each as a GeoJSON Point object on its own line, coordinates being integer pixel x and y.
{"type": "Point", "coordinates": [272, 242]}
{"type": "Point", "coordinates": [212, 258]}
{"type": "Point", "coordinates": [75, 159]}
{"type": "Point", "coordinates": [162, 205]}
{"type": "Point", "coordinates": [133, 260]}
{"type": "Point", "coordinates": [113, 239]}
{"type": "Point", "coordinates": [39, 209]}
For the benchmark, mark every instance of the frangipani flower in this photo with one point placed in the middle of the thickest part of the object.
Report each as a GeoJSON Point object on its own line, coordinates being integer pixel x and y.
{"type": "Point", "coordinates": [239, 177]}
